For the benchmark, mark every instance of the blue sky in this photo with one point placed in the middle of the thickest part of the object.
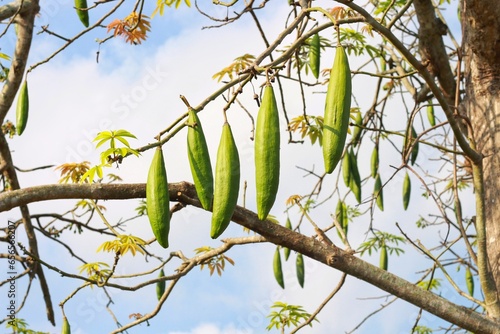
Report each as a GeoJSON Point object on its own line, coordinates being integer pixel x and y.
{"type": "Point", "coordinates": [137, 88]}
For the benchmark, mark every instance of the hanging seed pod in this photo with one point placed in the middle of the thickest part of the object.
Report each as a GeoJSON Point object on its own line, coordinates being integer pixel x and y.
{"type": "Point", "coordinates": [406, 191]}
{"type": "Point", "coordinates": [314, 55]}
{"type": "Point", "coordinates": [157, 198]}
{"type": "Point", "coordinates": [22, 109]}
{"type": "Point", "coordinates": [299, 266]}
{"type": "Point", "coordinates": [337, 110]}
{"type": "Point", "coordinates": [160, 286]}
{"type": "Point", "coordinates": [227, 182]}
{"type": "Point", "coordinates": [267, 153]}
{"type": "Point", "coordinates": [378, 193]}
{"type": "Point", "coordinates": [277, 269]}
{"type": "Point", "coordinates": [199, 161]}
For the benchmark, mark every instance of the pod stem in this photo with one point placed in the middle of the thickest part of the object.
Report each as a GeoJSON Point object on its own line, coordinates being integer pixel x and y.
{"type": "Point", "coordinates": [183, 98]}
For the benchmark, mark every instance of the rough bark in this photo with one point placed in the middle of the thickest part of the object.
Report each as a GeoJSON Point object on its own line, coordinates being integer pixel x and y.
{"type": "Point", "coordinates": [481, 47]}
{"type": "Point", "coordinates": [327, 254]}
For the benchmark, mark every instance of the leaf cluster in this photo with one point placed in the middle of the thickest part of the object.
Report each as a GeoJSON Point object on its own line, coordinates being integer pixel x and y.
{"type": "Point", "coordinates": [286, 315]}
{"type": "Point", "coordinates": [122, 244]}
{"type": "Point", "coordinates": [215, 263]}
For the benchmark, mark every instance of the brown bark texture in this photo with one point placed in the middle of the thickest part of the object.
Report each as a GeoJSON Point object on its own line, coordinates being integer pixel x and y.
{"type": "Point", "coordinates": [481, 47]}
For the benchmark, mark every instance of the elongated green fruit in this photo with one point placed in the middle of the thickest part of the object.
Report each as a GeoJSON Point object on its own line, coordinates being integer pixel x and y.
{"type": "Point", "coordinates": [160, 286]}
{"type": "Point", "coordinates": [314, 55]}
{"type": "Point", "coordinates": [83, 15]}
{"type": "Point", "coordinates": [278, 271]}
{"type": "Point", "coordinates": [157, 198]}
{"type": "Point", "coordinates": [414, 151]}
{"type": "Point", "coordinates": [374, 162]}
{"type": "Point", "coordinates": [356, 129]}
{"type": "Point", "coordinates": [406, 191]}
{"type": "Point", "coordinates": [199, 161]}
{"type": "Point", "coordinates": [337, 109]}
{"type": "Point", "coordinates": [469, 281]}
{"type": "Point", "coordinates": [340, 213]}
{"type": "Point", "coordinates": [66, 329]}
{"type": "Point", "coordinates": [227, 182]}
{"type": "Point", "coordinates": [378, 192]}
{"type": "Point", "coordinates": [430, 115]}
{"type": "Point", "coordinates": [299, 266]}
{"type": "Point", "coordinates": [355, 183]}
{"type": "Point", "coordinates": [384, 260]}
{"type": "Point", "coordinates": [286, 250]}
{"type": "Point", "coordinates": [22, 109]}
{"type": "Point", "coordinates": [267, 153]}
{"type": "Point", "coordinates": [346, 168]}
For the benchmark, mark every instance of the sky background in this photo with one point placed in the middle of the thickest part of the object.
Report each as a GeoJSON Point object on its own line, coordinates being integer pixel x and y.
{"type": "Point", "coordinates": [137, 88]}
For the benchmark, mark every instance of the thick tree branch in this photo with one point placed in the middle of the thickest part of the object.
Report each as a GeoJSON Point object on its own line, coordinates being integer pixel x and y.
{"type": "Point", "coordinates": [327, 254]}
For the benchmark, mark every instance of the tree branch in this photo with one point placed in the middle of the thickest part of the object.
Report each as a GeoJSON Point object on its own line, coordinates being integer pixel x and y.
{"type": "Point", "coordinates": [329, 255]}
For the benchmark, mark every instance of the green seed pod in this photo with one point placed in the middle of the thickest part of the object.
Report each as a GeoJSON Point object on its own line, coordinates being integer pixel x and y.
{"type": "Point", "coordinates": [374, 162]}
{"type": "Point", "coordinates": [414, 151]}
{"type": "Point", "coordinates": [355, 183]}
{"type": "Point", "coordinates": [83, 15]}
{"type": "Point", "coordinates": [469, 281]}
{"type": "Point", "coordinates": [406, 191]}
{"type": "Point", "coordinates": [160, 286]}
{"type": "Point", "coordinates": [199, 161]}
{"type": "Point", "coordinates": [299, 266]}
{"type": "Point", "coordinates": [267, 153]}
{"type": "Point", "coordinates": [314, 55]}
{"type": "Point", "coordinates": [384, 260]}
{"type": "Point", "coordinates": [278, 271]}
{"type": "Point", "coordinates": [337, 110]}
{"type": "Point", "coordinates": [157, 198]}
{"type": "Point", "coordinates": [356, 129]}
{"type": "Point", "coordinates": [286, 250]}
{"type": "Point", "coordinates": [341, 215]}
{"type": "Point", "coordinates": [346, 168]}
{"type": "Point", "coordinates": [378, 193]}
{"type": "Point", "coordinates": [22, 109]}
{"type": "Point", "coordinates": [66, 329]}
{"type": "Point", "coordinates": [430, 115]}
{"type": "Point", "coordinates": [227, 182]}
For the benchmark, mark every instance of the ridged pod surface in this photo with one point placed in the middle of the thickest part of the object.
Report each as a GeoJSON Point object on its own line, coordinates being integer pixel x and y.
{"type": "Point", "coordinates": [157, 198]}
{"type": "Point", "coordinates": [314, 55]}
{"type": "Point", "coordinates": [337, 109]}
{"type": "Point", "coordinates": [199, 161]}
{"type": "Point", "coordinates": [22, 108]}
{"type": "Point", "coordinates": [267, 153]}
{"type": "Point", "coordinates": [83, 15]}
{"type": "Point", "coordinates": [227, 182]}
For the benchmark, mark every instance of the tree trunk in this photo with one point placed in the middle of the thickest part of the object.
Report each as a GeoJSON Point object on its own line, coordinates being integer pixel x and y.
{"type": "Point", "coordinates": [481, 49]}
